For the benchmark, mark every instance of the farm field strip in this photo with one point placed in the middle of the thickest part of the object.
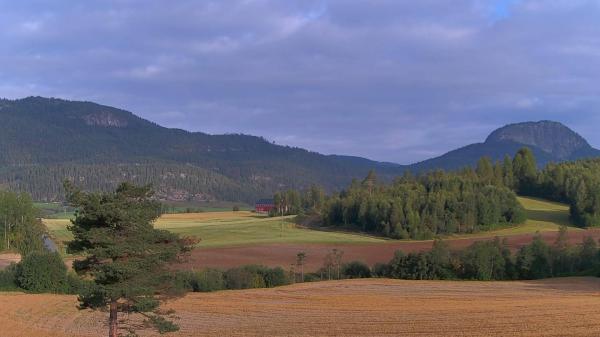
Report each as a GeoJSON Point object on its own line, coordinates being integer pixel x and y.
{"type": "Point", "coordinates": [368, 307]}
{"type": "Point", "coordinates": [222, 229]}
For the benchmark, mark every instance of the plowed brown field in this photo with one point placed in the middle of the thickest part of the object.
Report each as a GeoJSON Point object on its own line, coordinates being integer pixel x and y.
{"type": "Point", "coordinates": [285, 254]}
{"type": "Point", "coordinates": [560, 307]}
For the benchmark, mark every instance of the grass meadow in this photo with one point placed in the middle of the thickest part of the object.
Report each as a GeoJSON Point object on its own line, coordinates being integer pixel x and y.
{"type": "Point", "coordinates": [224, 229]}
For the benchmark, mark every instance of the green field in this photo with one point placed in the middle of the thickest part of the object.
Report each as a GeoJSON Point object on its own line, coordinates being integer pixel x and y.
{"type": "Point", "coordinates": [219, 229]}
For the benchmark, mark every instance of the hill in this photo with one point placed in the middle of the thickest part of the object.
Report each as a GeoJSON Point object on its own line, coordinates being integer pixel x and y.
{"type": "Point", "coordinates": [44, 141]}
{"type": "Point", "coordinates": [368, 307]}
{"type": "Point", "coordinates": [549, 141]}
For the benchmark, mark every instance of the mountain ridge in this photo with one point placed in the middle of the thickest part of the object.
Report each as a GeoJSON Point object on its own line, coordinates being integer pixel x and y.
{"type": "Point", "coordinates": [46, 140]}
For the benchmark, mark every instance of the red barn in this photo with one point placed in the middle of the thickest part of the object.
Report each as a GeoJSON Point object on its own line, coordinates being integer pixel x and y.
{"type": "Point", "coordinates": [264, 205]}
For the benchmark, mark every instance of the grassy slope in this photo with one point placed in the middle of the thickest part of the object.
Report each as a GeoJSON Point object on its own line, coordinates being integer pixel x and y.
{"type": "Point", "coordinates": [220, 229]}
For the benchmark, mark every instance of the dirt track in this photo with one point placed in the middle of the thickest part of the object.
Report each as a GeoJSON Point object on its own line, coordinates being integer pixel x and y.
{"type": "Point", "coordinates": [285, 254]}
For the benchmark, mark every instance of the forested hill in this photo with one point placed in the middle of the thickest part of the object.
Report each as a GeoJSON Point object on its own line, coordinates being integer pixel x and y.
{"type": "Point", "coordinates": [549, 141]}
{"type": "Point", "coordinates": [43, 141]}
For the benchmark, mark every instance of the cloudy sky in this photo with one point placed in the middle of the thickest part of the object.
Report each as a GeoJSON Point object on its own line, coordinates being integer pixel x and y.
{"type": "Point", "coordinates": [393, 80]}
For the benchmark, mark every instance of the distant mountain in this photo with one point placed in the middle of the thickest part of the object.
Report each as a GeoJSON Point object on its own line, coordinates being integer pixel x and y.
{"type": "Point", "coordinates": [550, 142]}
{"type": "Point", "coordinates": [44, 141]}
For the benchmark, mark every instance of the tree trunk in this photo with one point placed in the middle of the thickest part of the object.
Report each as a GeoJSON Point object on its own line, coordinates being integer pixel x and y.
{"type": "Point", "coordinates": [112, 321]}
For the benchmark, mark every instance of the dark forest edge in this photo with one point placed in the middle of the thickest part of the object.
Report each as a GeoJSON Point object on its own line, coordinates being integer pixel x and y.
{"type": "Point", "coordinates": [465, 201]}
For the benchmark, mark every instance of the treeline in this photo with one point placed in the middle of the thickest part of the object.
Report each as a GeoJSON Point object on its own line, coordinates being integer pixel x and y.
{"type": "Point", "coordinates": [425, 206]}
{"type": "Point", "coordinates": [171, 181]}
{"type": "Point", "coordinates": [464, 201]}
{"type": "Point", "coordinates": [292, 202]}
{"type": "Point", "coordinates": [493, 260]}
{"type": "Point", "coordinates": [576, 183]}
{"type": "Point", "coordinates": [20, 229]}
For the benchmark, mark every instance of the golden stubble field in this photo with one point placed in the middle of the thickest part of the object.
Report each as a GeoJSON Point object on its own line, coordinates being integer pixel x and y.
{"type": "Point", "coordinates": [375, 307]}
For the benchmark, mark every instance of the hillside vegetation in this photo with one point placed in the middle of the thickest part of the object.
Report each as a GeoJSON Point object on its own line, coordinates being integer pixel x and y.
{"type": "Point", "coordinates": [44, 141]}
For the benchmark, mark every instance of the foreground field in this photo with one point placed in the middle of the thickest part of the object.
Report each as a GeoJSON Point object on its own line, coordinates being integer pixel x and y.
{"type": "Point", "coordinates": [560, 307]}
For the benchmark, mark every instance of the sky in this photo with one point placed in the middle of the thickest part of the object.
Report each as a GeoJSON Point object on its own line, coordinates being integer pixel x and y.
{"type": "Point", "coordinates": [390, 80]}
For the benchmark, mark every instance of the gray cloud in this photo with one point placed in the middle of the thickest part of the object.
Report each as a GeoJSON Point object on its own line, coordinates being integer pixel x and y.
{"type": "Point", "coordinates": [391, 80]}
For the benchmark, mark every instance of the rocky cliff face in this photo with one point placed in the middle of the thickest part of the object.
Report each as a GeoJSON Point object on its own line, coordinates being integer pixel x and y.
{"type": "Point", "coordinates": [552, 137]}
{"type": "Point", "coordinates": [105, 119]}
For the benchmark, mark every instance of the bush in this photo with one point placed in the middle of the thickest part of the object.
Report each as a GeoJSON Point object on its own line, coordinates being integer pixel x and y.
{"type": "Point", "coordinates": [356, 269]}
{"type": "Point", "coordinates": [276, 277]}
{"type": "Point", "coordinates": [75, 285]}
{"type": "Point", "coordinates": [42, 272]}
{"type": "Point", "coordinates": [312, 277]}
{"type": "Point", "coordinates": [244, 278]}
{"type": "Point", "coordinates": [381, 270]}
{"type": "Point", "coordinates": [8, 278]}
{"type": "Point", "coordinates": [208, 280]}
{"type": "Point", "coordinates": [252, 276]}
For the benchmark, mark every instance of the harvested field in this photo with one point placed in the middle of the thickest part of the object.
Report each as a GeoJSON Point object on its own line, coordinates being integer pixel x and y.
{"type": "Point", "coordinates": [559, 307]}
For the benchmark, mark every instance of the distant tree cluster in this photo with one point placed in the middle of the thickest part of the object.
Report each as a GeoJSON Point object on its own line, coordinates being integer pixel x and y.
{"type": "Point", "coordinates": [464, 201]}
{"type": "Point", "coordinates": [422, 207]}
{"type": "Point", "coordinates": [576, 183]}
{"type": "Point", "coordinates": [20, 230]}
{"type": "Point", "coordinates": [294, 202]}
{"type": "Point", "coordinates": [492, 260]}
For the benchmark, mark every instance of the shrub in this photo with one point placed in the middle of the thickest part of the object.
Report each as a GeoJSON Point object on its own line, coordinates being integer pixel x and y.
{"type": "Point", "coordinates": [208, 280]}
{"type": "Point", "coordinates": [243, 278]}
{"type": "Point", "coordinates": [356, 269]}
{"type": "Point", "coordinates": [42, 272]}
{"type": "Point", "coordinates": [276, 277]}
{"type": "Point", "coordinates": [8, 278]}
{"type": "Point", "coordinates": [381, 270]}
{"type": "Point", "coordinates": [75, 285]}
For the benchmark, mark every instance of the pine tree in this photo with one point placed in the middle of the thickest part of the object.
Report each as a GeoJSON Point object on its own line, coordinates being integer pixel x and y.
{"type": "Point", "coordinates": [123, 254]}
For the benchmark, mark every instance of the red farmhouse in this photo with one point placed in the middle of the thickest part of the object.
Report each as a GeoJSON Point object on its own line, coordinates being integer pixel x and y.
{"type": "Point", "coordinates": [264, 205]}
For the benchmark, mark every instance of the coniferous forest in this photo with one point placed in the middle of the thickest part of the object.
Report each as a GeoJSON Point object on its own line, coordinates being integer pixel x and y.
{"type": "Point", "coordinates": [464, 201]}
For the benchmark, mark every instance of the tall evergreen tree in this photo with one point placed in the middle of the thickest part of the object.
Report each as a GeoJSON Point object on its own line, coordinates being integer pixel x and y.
{"type": "Point", "coordinates": [123, 254]}
{"type": "Point", "coordinates": [525, 171]}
